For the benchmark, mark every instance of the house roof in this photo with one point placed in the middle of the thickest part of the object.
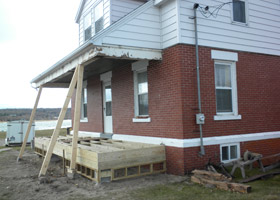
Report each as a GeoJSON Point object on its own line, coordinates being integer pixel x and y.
{"type": "Point", "coordinates": [80, 9]}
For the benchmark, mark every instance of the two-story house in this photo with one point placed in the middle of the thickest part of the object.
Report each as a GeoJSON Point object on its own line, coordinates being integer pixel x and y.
{"type": "Point", "coordinates": [146, 81]}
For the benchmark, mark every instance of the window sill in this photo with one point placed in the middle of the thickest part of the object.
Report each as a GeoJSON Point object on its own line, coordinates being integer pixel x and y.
{"type": "Point", "coordinates": [239, 23]}
{"type": "Point", "coordinates": [141, 119]}
{"type": "Point", "coordinates": [227, 117]}
{"type": "Point", "coordinates": [84, 120]}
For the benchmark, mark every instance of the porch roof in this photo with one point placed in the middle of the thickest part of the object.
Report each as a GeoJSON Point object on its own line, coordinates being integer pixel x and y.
{"type": "Point", "coordinates": [97, 59]}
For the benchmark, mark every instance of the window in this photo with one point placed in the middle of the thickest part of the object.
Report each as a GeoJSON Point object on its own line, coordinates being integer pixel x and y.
{"type": "Point", "coordinates": [98, 17]}
{"type": "Point", "coordinates": [239, 11]}
{"type": "Point", "coordinates": [141, 99]}
{"type": "Point", "coordinates": [225, 85]}
{"type": "Point", "coordinates": [223, 81]}
{"type": "Point", "coordinates": [229, 152]}
{"type": "Point", "coordinates": [84, 103]}
{"type": "Point", "coordinates": [87, 26]}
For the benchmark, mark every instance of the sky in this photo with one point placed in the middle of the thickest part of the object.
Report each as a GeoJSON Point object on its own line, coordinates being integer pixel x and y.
{"type": "Point", "coordinates": [34, 35]}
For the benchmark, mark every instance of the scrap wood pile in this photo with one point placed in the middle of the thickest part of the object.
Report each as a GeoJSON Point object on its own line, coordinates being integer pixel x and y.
{"type": "Point", "coordinates": [218, 180]}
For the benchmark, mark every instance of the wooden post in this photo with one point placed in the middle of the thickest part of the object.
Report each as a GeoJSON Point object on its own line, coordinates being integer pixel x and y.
{"type": "Point", "coordinates": [58, 125]}
{"type": "Point", "coordinates": [77, 117]}
{"type": "Point", "coordinates": [29, 124]}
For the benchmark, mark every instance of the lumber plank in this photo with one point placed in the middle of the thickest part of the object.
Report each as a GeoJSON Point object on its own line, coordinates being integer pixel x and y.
{"type": "Point", "coordinates": [223, 185]}
{"type": "Point", "coordinates": [30, 123]}
{"type": "Point", "coordinates": [259, 176]}
{"type": "Point", "coordinates": [58, 125]}
{"type": "Point", "coordinates": [77, 115]}
{"type": "Point", "coordinates": [210, 174]}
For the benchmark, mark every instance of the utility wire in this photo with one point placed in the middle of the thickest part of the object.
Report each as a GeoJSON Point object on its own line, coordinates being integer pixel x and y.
{"type": "Point", "coordinates": [205, 11]}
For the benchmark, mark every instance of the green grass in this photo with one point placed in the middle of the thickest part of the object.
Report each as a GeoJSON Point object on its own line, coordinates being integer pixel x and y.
{"type": "Point", "coordinates": [48, 133]}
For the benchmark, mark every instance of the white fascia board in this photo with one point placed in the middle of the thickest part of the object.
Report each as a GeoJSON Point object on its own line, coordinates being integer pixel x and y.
{"type": "Point", "coordinates": [159, 2]}
{"type": "Point", "coordinates": [195, 142]}
{"type": "Point", "coordinates": [132, 53]}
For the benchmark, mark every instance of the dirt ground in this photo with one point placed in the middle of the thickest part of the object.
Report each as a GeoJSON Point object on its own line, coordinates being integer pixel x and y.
{"type": "Point", "coordinates": [19, 180]}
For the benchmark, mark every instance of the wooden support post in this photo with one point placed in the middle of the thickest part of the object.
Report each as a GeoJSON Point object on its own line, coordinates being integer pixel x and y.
{"type": "Point", "coordinates": [77, 117]}
{"type": "Point", "coordinates": [29, 124]}
{"type": "Point", "coordinates": [58, 125]}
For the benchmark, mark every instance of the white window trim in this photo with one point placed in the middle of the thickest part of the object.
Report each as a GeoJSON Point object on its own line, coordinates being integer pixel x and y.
{"type": "Point", "coordinates": [228, 58]}
{"type": "Point", "coordinates": [106, 77]}
{"type": "Point", "coordinates": [83, 119]}
{"type": "Point", "coordinates": [138, 67]}
{"type": "Point", "coordinates": [228, 145]}
{"type": "Point", "coordinates": [246, 13]}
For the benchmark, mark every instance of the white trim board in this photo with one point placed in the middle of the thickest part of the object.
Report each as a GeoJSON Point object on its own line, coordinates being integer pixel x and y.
{"type": "Point", "coordinates": [195, 142]}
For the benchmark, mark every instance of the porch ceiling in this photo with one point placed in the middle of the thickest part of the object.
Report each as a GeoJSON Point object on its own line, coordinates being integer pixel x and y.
{"type": "Point", "coordinates": [98, 66]}
{"type": "Point", "coordinates": [96, 59]}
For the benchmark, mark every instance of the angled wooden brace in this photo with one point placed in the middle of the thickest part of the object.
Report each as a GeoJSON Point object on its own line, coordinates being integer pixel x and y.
{"type": "Point", "coordinates": [77, 117]}
{"type": "Point", "coordinates": [29, 124]}
{"type": "Point", "coordinates": [58, 125]}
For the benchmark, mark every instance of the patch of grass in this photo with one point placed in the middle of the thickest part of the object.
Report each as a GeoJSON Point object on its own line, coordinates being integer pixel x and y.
{"type": "Point", "coordinates": [48, 133]}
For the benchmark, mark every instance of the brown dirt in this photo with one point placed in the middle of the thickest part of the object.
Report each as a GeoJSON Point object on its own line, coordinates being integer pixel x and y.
{"type": "Point", "coordinates": [19, 180]}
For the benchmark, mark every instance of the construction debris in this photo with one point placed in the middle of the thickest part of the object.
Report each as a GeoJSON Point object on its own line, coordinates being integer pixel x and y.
{"type": "Point", "coordinates": [219, 181]}
{"type": "Point", "coordinates": [248, 159]}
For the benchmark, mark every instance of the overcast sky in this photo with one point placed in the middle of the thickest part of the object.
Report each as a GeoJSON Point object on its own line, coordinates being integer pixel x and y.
{"type": "Point", "coordinates": [34, 34]}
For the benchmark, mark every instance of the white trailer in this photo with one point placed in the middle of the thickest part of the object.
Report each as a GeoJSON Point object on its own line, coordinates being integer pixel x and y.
{"type": "Point", "coordinates": [16, 131]}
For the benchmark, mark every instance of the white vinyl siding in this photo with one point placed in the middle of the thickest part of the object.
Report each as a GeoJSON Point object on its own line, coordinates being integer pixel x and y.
{"type": "Point", "coordinates": [120, 8]}
{"type": "Point", "coordinates": [169, 25]}
{"type": "Point", "coordinates": [261, 35]}
{"type": "Point", "coordinates": [141, 30]}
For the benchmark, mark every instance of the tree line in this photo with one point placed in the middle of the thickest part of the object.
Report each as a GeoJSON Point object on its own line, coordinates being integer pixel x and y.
{"type": "Point", "coordinates": [24, 114]}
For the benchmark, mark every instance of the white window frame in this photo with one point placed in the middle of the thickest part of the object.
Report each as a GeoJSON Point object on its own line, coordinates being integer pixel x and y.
{"type": "Point", "coordinates": [246, 14]}
{"type": "Point", "coordinates": [229, 145]}
{"type": "Point", "coordinates": [227, 58]}
{"type": "Point", "coordinates": [139, 67]}
{"type": "Point", "coordinates": [84, 27]}
{"type": "Point", "coordinates": [83, 118]}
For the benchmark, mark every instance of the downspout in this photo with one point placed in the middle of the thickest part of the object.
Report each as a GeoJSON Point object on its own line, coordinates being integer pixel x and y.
{"type": "Point", "coordinates": [200, 118]}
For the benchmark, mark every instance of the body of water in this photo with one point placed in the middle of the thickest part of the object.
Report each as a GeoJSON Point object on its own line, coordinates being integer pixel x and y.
{"type": "Point", "coordinates": [41, 125]}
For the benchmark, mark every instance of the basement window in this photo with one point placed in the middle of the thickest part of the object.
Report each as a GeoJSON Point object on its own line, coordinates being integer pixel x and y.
{"type": "Point", "coordinates": [229, 152]}
{"type": "Point", "coordinates": [141, 100]}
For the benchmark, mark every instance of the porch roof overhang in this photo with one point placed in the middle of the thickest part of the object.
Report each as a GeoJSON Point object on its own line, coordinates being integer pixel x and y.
{"type": "Point", "coordinates": [96, 59]}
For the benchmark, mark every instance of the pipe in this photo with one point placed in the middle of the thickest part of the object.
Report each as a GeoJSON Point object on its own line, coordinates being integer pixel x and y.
{"type": "Point", "coordinates": [202, 151]}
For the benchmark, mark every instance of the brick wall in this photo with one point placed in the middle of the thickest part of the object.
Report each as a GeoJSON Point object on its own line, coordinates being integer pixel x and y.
{"type": "Point", "coordinates": [258, 87]}
{"type": "Point", "coordinates": [173, 103]}
{"type": "Point", "coordinates": [94, 106]}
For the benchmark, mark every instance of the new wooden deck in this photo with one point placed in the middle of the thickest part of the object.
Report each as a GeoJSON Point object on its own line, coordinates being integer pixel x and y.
{"type": "Point", "coordinates": [108, 160]}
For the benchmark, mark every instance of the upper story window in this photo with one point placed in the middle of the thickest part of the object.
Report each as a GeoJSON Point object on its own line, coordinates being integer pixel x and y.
{"type": "Point", "coordinates": [239, 13]}
{"type": "Point", "coordinates": [87, 26]}
{"type": "Point", "coordinates": [98, 17]}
